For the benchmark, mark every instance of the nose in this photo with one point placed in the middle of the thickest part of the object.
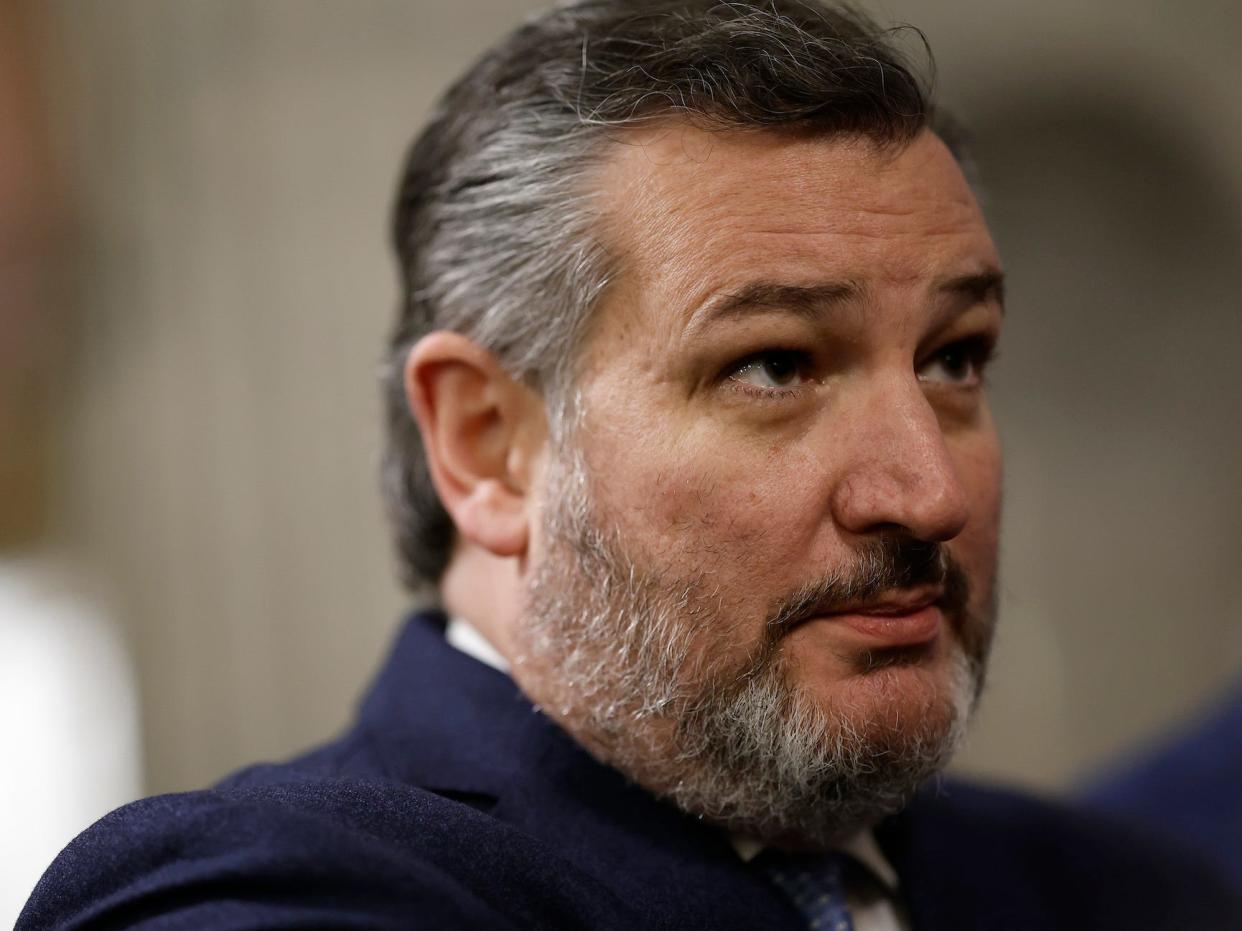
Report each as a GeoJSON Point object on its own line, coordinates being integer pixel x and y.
{"type": "Point", "coordinates": [898, 474]}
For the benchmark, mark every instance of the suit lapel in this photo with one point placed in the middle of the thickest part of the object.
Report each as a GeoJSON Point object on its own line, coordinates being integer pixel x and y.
{"type": "Point", "coordinates": [445, 722]}
{"type": "Point", "coordinates": [958, 872]}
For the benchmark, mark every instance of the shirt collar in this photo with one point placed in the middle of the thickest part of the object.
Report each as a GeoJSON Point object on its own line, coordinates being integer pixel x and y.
{"type": "Point", "coordinates": [863, 847]}
{"type": "Point", "coordinates": [466, 637]}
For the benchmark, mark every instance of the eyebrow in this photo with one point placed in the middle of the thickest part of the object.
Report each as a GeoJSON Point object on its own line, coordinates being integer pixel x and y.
{"type": "Point", "coordinates": [805, 300]}
{"type": "Point", "coordinates": [980, 287]}
{"type": "Point", "coordinates": [812, 301]}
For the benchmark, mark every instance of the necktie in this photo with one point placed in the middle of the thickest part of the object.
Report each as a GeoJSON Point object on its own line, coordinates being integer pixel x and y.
{"type": "Point", "coordinates": [814, 884]}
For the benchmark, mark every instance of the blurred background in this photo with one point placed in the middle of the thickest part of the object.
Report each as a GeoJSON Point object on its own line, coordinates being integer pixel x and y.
{"type": "Point", "coordinates": [195, 285]}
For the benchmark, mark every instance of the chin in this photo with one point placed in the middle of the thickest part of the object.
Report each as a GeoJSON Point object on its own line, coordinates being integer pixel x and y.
{"type": "Point", "coordinates": [905, 699]}
{"type": "Point", "coordinates": [793, 764]}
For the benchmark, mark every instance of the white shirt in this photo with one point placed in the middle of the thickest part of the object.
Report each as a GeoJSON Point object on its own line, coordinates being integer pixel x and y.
{"type": "Point", "coordinates": [878, 913]}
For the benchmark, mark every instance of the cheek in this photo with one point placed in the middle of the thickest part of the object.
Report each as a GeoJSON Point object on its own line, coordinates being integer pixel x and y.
{"type": "Point", "coordinates": [730, 512]}
{"type": "Point", "coordinates": [980, 470]}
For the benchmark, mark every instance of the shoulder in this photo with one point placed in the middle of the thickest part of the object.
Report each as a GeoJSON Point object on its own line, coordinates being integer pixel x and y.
{"type": "Point", "coordinates": [1042, 857]}
{"type": "Point", "coordinates": [233, 857]}
{"type": "Point", "coordinates": [335, 852]}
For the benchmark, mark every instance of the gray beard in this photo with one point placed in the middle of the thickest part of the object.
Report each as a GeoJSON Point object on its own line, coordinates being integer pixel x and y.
{"type": "Point", "coordinates": [606, 648]}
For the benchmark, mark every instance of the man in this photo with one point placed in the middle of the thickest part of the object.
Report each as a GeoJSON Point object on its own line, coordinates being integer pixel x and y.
{"type": "Point", "coordinates": [689, 431]}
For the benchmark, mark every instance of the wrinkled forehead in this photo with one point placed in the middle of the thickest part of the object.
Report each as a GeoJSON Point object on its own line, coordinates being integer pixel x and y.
{"type": "Point", "coordinates": [688, 211]}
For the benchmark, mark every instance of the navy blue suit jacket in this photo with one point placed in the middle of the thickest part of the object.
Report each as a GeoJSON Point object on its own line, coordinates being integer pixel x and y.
{"type": "Point", "coordinates": [1188, 787]}
{"type": "Point", "coordinates": [454, 804]}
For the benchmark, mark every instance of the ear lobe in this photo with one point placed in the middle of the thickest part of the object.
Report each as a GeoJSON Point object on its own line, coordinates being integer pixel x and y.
{"type": "Point", "coordinates": [477, 437]}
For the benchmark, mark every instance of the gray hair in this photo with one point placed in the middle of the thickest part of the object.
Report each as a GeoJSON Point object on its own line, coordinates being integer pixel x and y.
{"type": "Point", "coordinates": [495, 227]}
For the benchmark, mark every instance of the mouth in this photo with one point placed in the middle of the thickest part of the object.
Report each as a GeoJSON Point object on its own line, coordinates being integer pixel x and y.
{"type": "Point", "coordinates": [897, 619]}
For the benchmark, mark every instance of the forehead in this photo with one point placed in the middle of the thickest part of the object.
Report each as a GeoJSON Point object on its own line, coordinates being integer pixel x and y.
{"type": "Point", "coordinates": [693, 212]}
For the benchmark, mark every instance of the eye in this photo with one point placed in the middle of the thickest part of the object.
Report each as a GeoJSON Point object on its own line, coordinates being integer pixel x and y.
{"type": "Point", "coordinates": [771, 370]}
{"type": "Point", "coordinates": [959, 364]}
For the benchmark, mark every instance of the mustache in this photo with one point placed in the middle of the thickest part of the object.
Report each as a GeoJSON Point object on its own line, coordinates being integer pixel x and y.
{"type": "Point", "coordinates": [880, 567]}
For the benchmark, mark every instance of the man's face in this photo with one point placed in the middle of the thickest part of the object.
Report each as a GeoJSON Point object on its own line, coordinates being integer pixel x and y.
{"type": "Point", "coordinates": [766, 568]}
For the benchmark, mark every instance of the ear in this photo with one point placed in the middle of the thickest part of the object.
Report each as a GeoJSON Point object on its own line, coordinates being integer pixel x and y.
{"type": "Point", "coordinates": [483, 435]}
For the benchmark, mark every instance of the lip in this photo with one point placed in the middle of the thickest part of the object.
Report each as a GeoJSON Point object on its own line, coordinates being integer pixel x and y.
{"type": "Point", "coordinates": [907, 619]}
{"type": "Point", "coordinates": [894, 630]}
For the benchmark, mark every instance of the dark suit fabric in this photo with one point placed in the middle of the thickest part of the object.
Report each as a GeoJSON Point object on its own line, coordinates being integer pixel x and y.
{"type": "Point", "coordinates": [454, 804]}
{"type": "Point", "coordinates": [1188, 787]}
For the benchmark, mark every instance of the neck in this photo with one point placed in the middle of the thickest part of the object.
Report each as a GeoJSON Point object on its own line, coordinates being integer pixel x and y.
{"type": "Point", "coordinates": [485, 590]}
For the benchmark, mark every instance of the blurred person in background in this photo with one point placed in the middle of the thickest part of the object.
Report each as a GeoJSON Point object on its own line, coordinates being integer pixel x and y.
{"type": "Point", "coordinates": [67, 705]}
{"type": "Point", "coordinates": [1186, 786]}
{"type": "Point", "coordinates": [689, 430]}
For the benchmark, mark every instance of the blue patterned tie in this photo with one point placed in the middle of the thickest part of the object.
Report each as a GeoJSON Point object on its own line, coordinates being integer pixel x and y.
{"type": "Point", "coordinates": [814, 884]}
